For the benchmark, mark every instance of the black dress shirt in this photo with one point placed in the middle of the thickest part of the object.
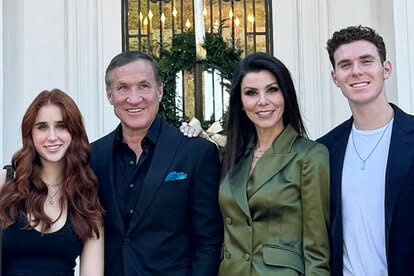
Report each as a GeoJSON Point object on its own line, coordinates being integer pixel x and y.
{"type": "Point", "coordinates": [129, 174]}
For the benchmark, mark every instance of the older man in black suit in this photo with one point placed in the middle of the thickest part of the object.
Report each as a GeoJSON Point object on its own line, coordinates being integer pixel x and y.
{"type": "Point", "coordinates": [162, 215]}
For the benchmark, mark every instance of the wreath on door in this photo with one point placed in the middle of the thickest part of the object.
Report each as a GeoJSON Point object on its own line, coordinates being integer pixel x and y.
{"type": "Point", "coordinates": [182, 56]}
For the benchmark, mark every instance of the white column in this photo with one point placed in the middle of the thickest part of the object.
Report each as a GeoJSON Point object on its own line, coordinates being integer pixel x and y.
{"type": "Point", "coordinates": [315, 100]}
{"type": "Point", "coordinates": [84, 79]}
{"type": "Point", "coordinates": [1, 86]}
{"type": "Point", "coordinates": [111, 46]}
{"type": "Point", "coordinates": [12, 48]}
{"type": "Point", "coordinates": [300, 33]}
{"type": "Point", "coordinates": [93, 37]}
{"type": "Point", "coordinates": [285, 34]}
{"type": "Point", "coordinates": [83, 59]}
{"type": "Point", "coordinates": [404, 44]}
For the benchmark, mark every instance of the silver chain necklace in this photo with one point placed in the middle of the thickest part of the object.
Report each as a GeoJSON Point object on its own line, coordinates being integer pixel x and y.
{"type": "Point", "coordinates": [364, 160]}
{"type": "Point", "coordinates": [51, 197]}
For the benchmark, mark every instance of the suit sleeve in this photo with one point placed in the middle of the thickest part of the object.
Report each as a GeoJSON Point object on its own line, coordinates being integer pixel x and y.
{"type": "Point", "coordinates": [207, 226]}
{"type": "Point", "coordinates": [315, 210]}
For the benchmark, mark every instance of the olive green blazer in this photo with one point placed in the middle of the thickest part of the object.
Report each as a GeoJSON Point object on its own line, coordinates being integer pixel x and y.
{"type": "Point", "coordinates": [276, 219]}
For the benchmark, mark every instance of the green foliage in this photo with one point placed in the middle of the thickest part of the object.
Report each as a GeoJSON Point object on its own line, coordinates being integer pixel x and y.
{"type": "Point", "coordinates": [182, 56]}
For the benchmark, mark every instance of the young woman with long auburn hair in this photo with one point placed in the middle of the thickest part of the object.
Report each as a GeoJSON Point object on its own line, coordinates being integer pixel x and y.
{"type": "Point", "coordinates": [49, 212]}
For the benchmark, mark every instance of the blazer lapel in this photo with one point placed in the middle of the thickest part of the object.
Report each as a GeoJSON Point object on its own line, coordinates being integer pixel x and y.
{"type": "Point", "coordinates": [337, 155]}
{"type": "Point", "coordinates": [400, 159]}
{"type": "Point", "coordinates": [167, 145]}
{"type": "Point", "coordinates": [336, 145]}
{"type": "Point", "coordinates": [274, 159]}
{"type": "Point", "coordinates": [238, 184]}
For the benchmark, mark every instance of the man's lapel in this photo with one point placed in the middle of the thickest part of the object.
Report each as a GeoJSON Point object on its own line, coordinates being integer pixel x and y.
{"type": "Point", "coordinates": [336, 145]}
{"type": "Point", "coordinates": [337, 148]}
{"type": "Point", "coordinates": [165, 149]}
{"type": "Point", "coordinates": [400, 159]}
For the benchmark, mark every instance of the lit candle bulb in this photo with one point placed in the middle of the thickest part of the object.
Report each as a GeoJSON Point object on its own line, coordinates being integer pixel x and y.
{"type": "Point", "coordinates": [140, 21]}
{"type": "Point", "coordinates": [216, 25]}
{"type": "Point", "coordinates": [150, 15]}
{"type": "Point", "coordinates": [174, 13]}
{"type": "Point", "coordinates": [237, 23]}
{"type": "Point", "coordinates": [162, 20]}
{"type": "Point", "coordinates": [144, 29]}
{"type": "Point", "coordinates": [250, 18]}
{"type": "Point", "coordinates": [187, 24]}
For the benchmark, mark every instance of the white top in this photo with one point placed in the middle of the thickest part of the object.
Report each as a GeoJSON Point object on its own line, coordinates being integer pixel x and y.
{"type": "Point", "coordinates": [363, 202]}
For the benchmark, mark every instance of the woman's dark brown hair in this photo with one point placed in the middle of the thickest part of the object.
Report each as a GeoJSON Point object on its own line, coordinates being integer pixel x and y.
{"type": "Point", "coordinates": [240, 130]}
{"type": "Point", "coordinates": [26, 193]}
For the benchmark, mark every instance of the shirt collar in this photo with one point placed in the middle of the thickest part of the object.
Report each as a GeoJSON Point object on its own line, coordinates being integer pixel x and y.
{"type": "Point", "coordinates": [152, 134]}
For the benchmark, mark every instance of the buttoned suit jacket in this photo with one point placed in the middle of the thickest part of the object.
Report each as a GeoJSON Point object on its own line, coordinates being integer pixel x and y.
{"type": "Point", "coordinates": [399, 194]}
{"type": "Point", "coordinates": [176, 228]}
{"type": "Point", "coordinates": [282, 228]}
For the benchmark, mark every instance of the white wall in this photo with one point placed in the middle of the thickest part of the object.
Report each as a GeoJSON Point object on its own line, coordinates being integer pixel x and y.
{"type": "Point", "coordinates": [404, 57]}
{"type": "Point", "coordinates": [1, 84]}
{"type": "Point", "coordinates": [301, 29]}
{"type": "Point", "coordinates": [93, 38]}
{"type": "Point", "coordinates": [62, 44]}
{"type": "Point", "coordinates": [33, 59]}
{"type": "Point", "coordinates": [68, 43]}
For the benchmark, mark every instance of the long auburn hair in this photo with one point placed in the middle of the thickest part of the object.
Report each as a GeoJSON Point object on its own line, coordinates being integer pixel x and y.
{"type": "Point", "coordinates": [26, 193]}
{"type": "Point", "coordinates": [240, 130]}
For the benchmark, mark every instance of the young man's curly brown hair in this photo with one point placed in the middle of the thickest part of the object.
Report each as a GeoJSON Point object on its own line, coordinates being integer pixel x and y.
{"type": "Point", "coordinates": [354, 33]}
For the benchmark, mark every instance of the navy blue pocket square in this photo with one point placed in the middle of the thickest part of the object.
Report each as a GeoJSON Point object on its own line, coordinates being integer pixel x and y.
{"type": "Point", "coordinates": [174, 176]}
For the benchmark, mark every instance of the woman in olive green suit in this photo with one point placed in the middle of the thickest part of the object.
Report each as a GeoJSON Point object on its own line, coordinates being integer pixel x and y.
{"type": "Point", "coordinates": [274, 196]}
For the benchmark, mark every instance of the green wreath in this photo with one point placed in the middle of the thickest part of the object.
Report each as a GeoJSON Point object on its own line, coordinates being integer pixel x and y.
{"type": "Point", "coordinates": [182, 56]}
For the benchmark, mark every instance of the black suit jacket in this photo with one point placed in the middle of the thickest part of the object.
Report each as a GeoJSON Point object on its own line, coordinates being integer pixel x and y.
{"type": "Point", "coordinates": [176, 228]}
{"type": "Point", "coordinates": [399, 194]}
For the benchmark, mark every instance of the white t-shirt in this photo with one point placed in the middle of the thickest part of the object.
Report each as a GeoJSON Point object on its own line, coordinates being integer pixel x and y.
{"type": "Point", "coordinates": [363, 202]}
